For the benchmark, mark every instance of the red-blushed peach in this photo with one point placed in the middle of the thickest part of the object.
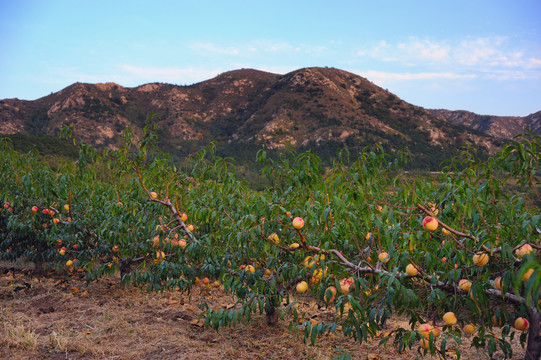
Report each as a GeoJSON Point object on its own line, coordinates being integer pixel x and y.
{"type": "Point", "coordinates": [522, 324]}
{"type": "Point", "coordinates": [298, 223]}
{"type": "Point", "coordinates": [430, 223]}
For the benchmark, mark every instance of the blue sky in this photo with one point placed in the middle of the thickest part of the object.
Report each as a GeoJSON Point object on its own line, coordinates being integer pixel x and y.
{"type": "Point", "coordinates": [483, 56]}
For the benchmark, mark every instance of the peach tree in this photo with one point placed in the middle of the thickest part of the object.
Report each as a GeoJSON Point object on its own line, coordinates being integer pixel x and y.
{"type": "Point", "coordinates": [456, 253]}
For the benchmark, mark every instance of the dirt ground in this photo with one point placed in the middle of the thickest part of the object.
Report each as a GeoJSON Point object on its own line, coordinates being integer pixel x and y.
{"type": "Point", "coordinates": [59, 317]}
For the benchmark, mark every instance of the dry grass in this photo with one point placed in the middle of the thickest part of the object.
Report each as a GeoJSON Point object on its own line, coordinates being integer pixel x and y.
{"type": "Point", "coordinates": [15, 334]}
{"type": "Point", "coordinates": [53, 318]}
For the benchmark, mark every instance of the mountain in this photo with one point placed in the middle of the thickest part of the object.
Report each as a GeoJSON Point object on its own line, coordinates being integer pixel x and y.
{"type": "Point", "coordinates": [498, 126]}
{"type": "Point", "coordinates": [323, 109]}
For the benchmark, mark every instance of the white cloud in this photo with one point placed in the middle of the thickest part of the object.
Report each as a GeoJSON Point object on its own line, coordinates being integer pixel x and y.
{"type": "Point", "coordinates": [392, 76]}
{"type": "Point", "coordinates": [260, 47]}
{"type": "Point", "coordinates": [512, 75]}
{"type": "Point", "coordinates": [424, 50]}
{"type": "Point", "coordinates": [533, 63]}
{"type": "Point", "coordinates": [470, 54]}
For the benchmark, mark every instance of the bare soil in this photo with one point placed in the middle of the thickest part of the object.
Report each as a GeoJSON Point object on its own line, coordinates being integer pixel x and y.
{"type": "Point", "coordinates": [61, 317]}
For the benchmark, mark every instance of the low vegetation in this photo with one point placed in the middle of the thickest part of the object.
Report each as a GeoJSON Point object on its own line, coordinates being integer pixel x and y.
{"type": "Point", "coordinates": [456, 258]}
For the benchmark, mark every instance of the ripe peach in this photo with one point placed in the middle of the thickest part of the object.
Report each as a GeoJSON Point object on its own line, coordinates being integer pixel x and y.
{"type": "Point", "coordinates": [498, 283]}
{"type": "Point", "coordinates": [522, 324]}
{"type": "Point", "coordinates": [346, 285]}
{"type": "Point", "coordinates": [153, 195]}
{"type": "Point", "coordinates": [298, 223]}
{"type": "Point", "coordinates": [250, 268]}
{"type": "Point", "coordinates": [445, 231]}
{"type": "Point", "coordinates": [182, 243]}
{"type": "Point", "coordinates": [115, 248]}
{"type": "Point", "coordinates": [464, 285]}
{"type": "Point", "coordinates": [411, 270]}
{"type": "Point", "coordinates": [424, 343]}
{"type": "Point", "coordinates": [294, 246]}
{"type": "Point", "coordinates": [160, 255]}
{"type": "Point", "coordinates": [34, 209]}
{"type": "Point", "coordinates": [183, 217]}
{"type": "Point", "coordinates": [384, 257]}
{"type": "Point", "coordinates": [523, 250]}
{"type": "Point", "coordinates": [307, 262]}
{"type": "Point", "coordinates": [205, 281]}
{"type": "Point", "coordinates": [469, 329]}
{"type": "Point", "coordinates": [425, 330]}
{"type": "Point", "coordinates": [302, 287]}
{"type": "Point", "coordinates": [332, 290]}
{"type": "Point", "coordinates": [66, 207]}
{"type": "Point", "coordinates": [69, 263]}
{"type": "Point", "coordinates": [190, 227]}
{"type": "Point", "coordinates": [56, 220]}
{"type": "Point", "coordinates": [480, 259]}
{"type": "Point", "coordinates": [449, 318]}
{"type": "Point", "coordinates": [430, 223]}
{"type": "Point", "coordinates": [274, 238]}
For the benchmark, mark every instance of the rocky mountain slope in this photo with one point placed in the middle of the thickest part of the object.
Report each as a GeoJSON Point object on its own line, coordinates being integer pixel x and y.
{"type": "Point", "coordinates": [319, 108]}
{"type": "Point", "coordinates": [498, 126]}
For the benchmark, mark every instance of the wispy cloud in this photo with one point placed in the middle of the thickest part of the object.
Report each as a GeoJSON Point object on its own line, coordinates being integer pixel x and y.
{"type": "Point", "coordinates": [534, 63]}
{"type": "Point", "coordinates": [255, 47]}
{"type": "Point", "coordinates": [382, 76]}
{"type": "Point", "coordinates": [481, 54]}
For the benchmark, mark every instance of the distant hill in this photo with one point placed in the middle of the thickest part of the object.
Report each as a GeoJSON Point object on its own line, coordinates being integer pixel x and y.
{"type": "Point", "coordinates": [498, 126]}
{"type": "Point", "coordinates": [323, 109]}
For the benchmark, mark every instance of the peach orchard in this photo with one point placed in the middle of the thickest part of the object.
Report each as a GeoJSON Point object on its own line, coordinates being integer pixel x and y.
{"type": "Point", "coordinates": [458, 256]}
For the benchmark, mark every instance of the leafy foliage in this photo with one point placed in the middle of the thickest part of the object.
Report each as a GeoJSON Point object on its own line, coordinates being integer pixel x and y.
{"type": "Point", "coordinates": [124, 211]}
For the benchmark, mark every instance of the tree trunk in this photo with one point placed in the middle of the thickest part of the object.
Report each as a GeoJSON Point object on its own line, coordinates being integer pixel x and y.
{"type": "Point", "coordinates": [125, 268]}
{"type": "Point", "coordinates": [272, 314]}
{"type": "Point", "coordinates": [38, 268]}
{"type": "Point", "coordinates": [272, 311]}
{"type": "Point", "coordinates": [533, 347]}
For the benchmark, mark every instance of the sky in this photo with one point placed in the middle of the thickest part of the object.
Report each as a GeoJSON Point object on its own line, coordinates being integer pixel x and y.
{"type": "Point", "coordinates": [482, 56]}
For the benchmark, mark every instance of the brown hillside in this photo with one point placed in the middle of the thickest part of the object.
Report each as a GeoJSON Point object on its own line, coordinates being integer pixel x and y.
{"type": "Point", "coordinates": [310, 107]}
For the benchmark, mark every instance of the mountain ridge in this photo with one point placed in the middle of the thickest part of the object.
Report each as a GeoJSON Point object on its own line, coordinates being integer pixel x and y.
{"type": "Point", "coordinates": [310, 107]}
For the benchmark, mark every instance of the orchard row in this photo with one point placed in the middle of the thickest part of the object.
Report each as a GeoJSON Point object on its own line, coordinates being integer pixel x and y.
{"type": "Point", "coordinates": [459, 256]}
